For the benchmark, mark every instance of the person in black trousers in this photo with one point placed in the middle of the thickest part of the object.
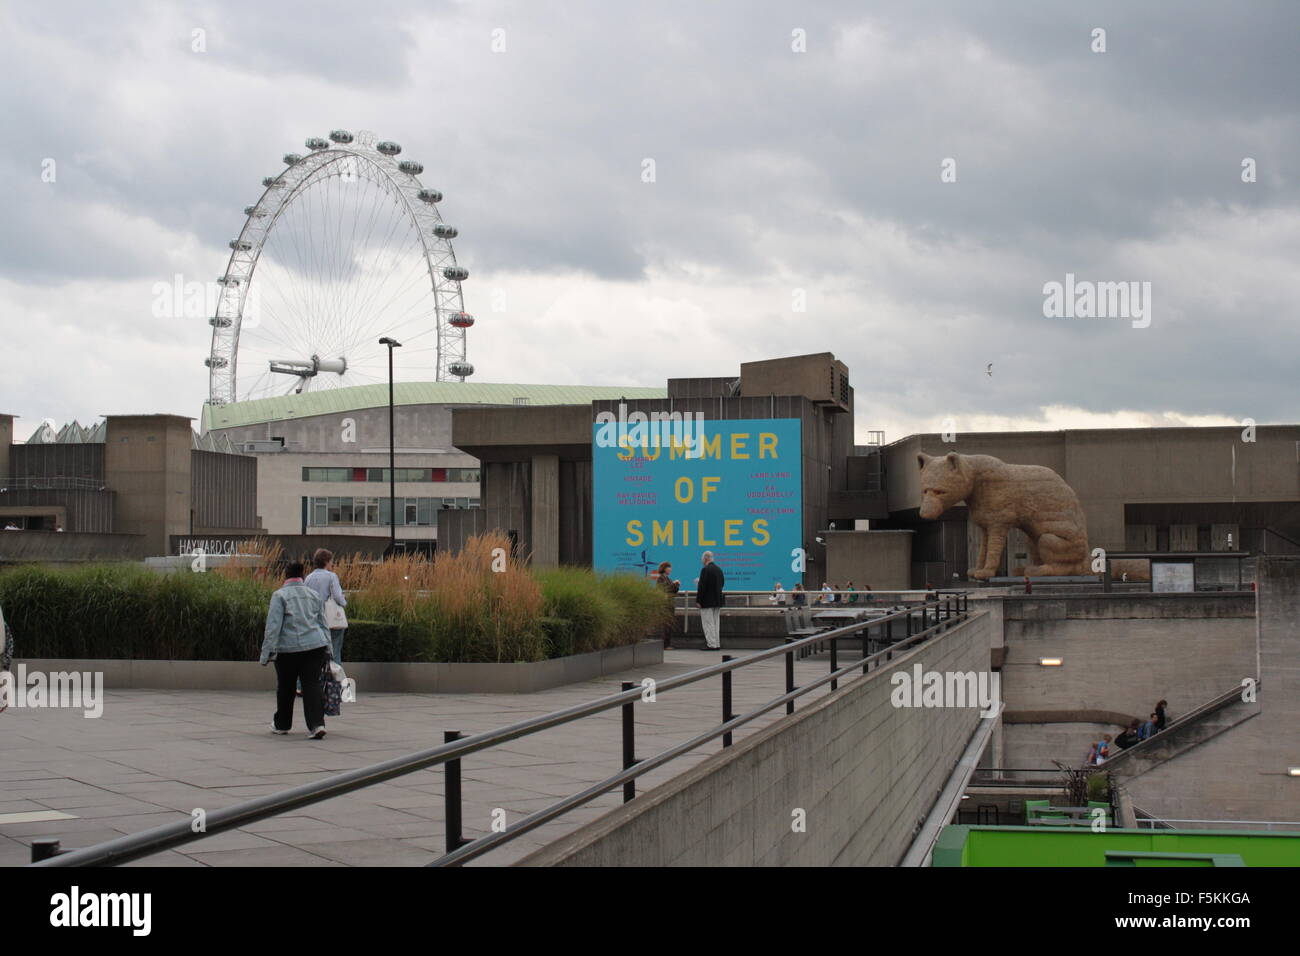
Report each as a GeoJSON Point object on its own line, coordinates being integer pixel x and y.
{"type": "Point", "coordinates": [297, 637]}
{"type": "Point", "coordinates": [709, 599]}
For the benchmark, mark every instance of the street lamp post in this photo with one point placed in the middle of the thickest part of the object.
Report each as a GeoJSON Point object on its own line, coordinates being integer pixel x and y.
{"type": "Point", "coordinates": [392, 451]}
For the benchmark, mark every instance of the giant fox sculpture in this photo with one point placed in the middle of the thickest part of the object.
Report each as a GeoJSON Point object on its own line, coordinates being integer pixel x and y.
{"type": "Point", "coordinates": [1001, 497]}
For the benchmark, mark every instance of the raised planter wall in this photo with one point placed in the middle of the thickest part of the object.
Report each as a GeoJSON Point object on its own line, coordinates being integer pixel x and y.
{"type": "Point", "coordinates": [421, 678]}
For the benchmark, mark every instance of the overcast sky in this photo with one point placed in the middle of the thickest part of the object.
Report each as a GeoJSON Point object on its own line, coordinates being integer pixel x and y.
{"type": "Point", "coordinates": [779, 175]}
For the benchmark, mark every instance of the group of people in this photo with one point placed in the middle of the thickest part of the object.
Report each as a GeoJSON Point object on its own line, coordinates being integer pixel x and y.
{"type": "Point", "coordinates": [1136, 732]}
{"type": "Point", "coordinates": [829, 594]}
{"type": "Point", "coordinates": [708, 598]}
{"type": "Point", "coordinates": [305, 627]}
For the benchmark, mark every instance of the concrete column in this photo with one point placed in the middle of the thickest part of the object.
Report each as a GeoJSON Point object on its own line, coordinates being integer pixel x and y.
{"type": "Point", "coordinates": [546, 510]}
{"type": "Point", "coordinates": [6, 439]}
{"type": "Point", "coordinates": [147, 462]}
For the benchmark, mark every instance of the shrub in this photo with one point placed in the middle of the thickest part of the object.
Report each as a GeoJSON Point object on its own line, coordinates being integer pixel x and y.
{"type": "Point", "coordinates": [605, 610]}
{"type": "Point", "coordinates": [476, 606]}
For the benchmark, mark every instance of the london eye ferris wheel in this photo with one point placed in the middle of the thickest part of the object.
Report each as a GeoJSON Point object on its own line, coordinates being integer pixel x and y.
{"type": "Point", "coordinates": [345, 246]}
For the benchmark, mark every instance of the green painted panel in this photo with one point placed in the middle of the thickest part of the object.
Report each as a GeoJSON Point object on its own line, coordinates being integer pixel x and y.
{"type": "Point", "coordinates": [1080, 846]}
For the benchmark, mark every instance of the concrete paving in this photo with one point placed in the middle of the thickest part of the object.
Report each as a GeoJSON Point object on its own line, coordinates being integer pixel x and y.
{"type": "Point", "coordinates": [154, 756]}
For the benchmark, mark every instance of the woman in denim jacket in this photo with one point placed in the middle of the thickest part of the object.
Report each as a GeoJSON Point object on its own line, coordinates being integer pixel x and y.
{"type": "Point", "coordinates": [296, 639]}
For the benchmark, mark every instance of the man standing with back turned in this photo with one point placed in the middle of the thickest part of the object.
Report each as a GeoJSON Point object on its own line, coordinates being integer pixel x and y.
{"type": "Point", "coordinates": [708, 598]}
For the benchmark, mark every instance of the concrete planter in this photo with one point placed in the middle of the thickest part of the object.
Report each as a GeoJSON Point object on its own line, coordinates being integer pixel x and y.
{"type": "Point", "coordinates": [517, 678]}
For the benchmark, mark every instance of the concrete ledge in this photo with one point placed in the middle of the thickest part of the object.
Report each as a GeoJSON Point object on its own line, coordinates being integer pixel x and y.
{"type": "Point", "coordinates": [1094, 605]}
{"type": "Point", "coordinates": [371, 677]}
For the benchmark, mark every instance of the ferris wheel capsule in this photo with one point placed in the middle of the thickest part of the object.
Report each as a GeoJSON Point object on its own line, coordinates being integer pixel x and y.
{"type": "Point", "coordinates": [340, 136]}
{"type": "Point", "coordinates": [252, 211]}
{"type": "Point", "coordinates": [217, 362]}
{"type": "Point", "coordinates": [227, 280]}
{"type": "Point", "coordinates": [388, 148]}
{"type": "Point", "coordinates": [240, 245]}
{"type": "Point", "coordinates": [410, 167]}
{"type": "Point", "coordinates": [455, 273]}
{"type": "Point", "coordinates": [461, 320]}
{"type": "Point", "coordinates": [315, 142]}
{"type": "Point", "coordinates": [270, 181]}
{"type": "Point", "coordinates": [219, 322]}
{"type": "Point", "coordinates": [292, 159]}
{"type": "Point", "coordinates": [429, 195]}
{"type": "Point", "coordinates": [445, 231]}
{"type": "Point", "coordinates": [460, 369]}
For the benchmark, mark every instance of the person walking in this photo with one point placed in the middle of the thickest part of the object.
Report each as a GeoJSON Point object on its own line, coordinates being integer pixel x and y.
{"type": "Point", "coordinates": [709, 599]}
{"type": "Point", "coordinates": [1162, 720]}
{"type": "Point", "coordinates": [325, 583]}
{"type": "Point", "coordinates": [297, 639]}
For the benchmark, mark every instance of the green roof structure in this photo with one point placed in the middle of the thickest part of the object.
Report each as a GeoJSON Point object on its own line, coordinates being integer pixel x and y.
{"type": "Point", "coordinates": [336, 400]}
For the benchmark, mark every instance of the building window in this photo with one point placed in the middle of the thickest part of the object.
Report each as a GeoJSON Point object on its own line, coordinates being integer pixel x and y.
{"type": "Point", "coordinates": [407, 475]}
{"type": "Point", "coordinates": [373, 511]}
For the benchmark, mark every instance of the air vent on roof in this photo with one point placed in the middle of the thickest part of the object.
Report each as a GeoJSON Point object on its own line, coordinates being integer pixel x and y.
{"type": "Point", "coordinates": [521, 400]}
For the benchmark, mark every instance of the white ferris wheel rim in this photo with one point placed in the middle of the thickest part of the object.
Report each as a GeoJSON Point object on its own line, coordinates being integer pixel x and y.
{"type": "Point", "coordinates": [376, 163]}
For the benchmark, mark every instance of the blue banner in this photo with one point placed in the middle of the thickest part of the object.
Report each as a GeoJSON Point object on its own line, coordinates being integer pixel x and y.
{"type": "Point", "coordinates": [667, 494]}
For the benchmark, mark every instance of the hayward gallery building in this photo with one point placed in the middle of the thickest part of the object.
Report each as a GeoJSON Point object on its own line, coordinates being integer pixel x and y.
{"type": "Point", "coordinates": [1193, 506]}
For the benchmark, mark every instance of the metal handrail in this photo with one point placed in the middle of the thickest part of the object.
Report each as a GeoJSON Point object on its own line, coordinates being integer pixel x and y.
{"type": "Point", "coordinates": [133, 846]}
{"type": "Point", "coordinates": [1186, 720]}
{"type": "Point", "coordinates": [1266, 824]}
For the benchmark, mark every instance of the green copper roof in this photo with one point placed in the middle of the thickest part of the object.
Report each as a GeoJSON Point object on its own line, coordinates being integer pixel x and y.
{"type": "Point", "coordinates": [410, 393]}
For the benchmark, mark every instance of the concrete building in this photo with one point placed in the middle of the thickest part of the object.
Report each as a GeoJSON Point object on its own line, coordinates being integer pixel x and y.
{"type": "Point", "coordinates": [1204, 501]}
{"type": "Point", "coordinates": [322, 457]}
{"type": "Point", "coordinates": [139, 478]}
{"type": "Point", "coordinates": [538, 463]}
{"type": "Point", "coordinates": [1205, 498]}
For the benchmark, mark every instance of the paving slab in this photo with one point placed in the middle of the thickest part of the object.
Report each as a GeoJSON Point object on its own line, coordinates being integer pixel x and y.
{"type": "Point", "coordinates": [155, 755]}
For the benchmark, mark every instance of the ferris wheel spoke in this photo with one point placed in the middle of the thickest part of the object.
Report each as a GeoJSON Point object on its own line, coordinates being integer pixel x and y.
{"type": "Point", "coordinates": [341, 261]}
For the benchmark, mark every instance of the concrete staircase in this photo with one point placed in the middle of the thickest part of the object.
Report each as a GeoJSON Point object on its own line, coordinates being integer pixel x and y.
{"type": "Point", "coordinates": [1207, 721]}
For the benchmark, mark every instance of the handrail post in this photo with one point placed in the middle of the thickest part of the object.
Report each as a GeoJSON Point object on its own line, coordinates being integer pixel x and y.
{"type": "Point", "coordinates": [45, 849]}
{"type": "Point", "coordinates": [726, 700]}
{"type": "Point", "coordinates": [451, 796]}
{"type": "Point", "coordinates": [629, 743]}
{"type": "Point", "coordinates": [789, 677]}
{"type": "Point", "coordinates": [835, 662]}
